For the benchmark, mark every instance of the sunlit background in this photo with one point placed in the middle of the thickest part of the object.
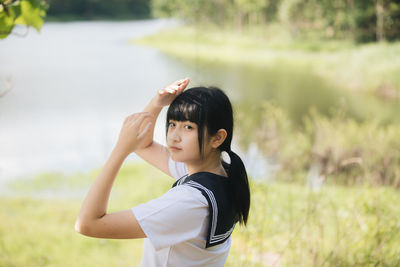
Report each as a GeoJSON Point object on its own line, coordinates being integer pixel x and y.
{"type": "Point", "coordinates": [316, 93]}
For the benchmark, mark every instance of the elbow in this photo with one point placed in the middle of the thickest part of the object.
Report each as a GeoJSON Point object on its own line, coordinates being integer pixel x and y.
{"type": "Point", "coordinates": [81, 227]}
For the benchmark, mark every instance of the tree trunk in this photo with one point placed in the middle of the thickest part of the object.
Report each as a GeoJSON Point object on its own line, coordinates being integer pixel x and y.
{"type": "Point", "coordinates": [379, 9]}
{"type": "Point", "coordinates": [220, 9]}
{"type": "Point", "coordinates": [350, 4]}
{"type": "Point", "coordinates": [239, 21]}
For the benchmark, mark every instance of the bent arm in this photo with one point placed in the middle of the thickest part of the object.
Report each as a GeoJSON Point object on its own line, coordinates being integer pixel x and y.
{"type": "Point", "coordinates": [154, 153]}
{"type": "Point", "coordinates": [93, 219]}
{"type": "Point", "coordinates": [154, 110]}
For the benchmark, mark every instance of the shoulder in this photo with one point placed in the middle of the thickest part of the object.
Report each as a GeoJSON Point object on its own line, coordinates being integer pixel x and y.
{"type": "Point", "coordinates": [185, 193]}
{"type": "Point", "coordinates": [176, 200]}
{"type": "Point", "coordinates": [176, 216]}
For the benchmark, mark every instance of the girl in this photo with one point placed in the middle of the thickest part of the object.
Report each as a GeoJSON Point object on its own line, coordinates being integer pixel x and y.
{"type": "Point", "coordinates": [191, 224]}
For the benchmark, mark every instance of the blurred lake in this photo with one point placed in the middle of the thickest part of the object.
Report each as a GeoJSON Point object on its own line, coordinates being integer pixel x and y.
{"type": "Point", "coordinates": [73, 84]}
{"type": "Point", "coordinates": [294, 89]}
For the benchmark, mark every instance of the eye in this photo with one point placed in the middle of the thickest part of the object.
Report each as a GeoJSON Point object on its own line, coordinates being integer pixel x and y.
{"type": "Point", "coordinates": [171, 124]}
{"type": "Point", "coordinates": [188, 127]}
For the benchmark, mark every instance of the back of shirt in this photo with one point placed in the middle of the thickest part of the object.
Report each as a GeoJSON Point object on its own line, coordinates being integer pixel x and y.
{"type": "Point", "coordinates": [176, 226]}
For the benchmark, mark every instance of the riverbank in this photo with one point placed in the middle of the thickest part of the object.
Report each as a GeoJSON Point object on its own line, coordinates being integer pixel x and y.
{"type": "Point", "coordinates": [288, 223]}
{"type": "Point", "coordinates": [314, 108]}
{"type": "Point", "coordinates": [371, 68]}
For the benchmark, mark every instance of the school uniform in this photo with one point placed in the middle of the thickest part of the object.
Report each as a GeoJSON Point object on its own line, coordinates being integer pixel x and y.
{"type": "Point", "coordinates": [182, 226]}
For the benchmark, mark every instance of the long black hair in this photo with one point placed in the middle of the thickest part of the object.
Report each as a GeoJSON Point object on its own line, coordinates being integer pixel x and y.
{"type": "Point", "coordinates": [211, 110]}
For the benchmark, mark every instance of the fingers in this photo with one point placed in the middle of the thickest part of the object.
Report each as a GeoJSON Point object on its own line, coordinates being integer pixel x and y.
{"type": "Point", "coordinates": [137, 118]}
{"type": "Point", "coordinates": [167, 90]}
{"type": "Point", "coordinates": [145, 131]}
{"type": "Point", "coordinates": [140, 117]}
{"type": "Point", "coordinates": [176, 87]}
{"type": "Point", "coordinates": [182, 85]}
{"type": "Point", "coordinates": [183, 81]}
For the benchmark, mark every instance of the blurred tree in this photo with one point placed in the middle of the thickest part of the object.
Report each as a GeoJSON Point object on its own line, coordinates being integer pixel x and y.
{"type": "Point", "coordinates": [367, 20]}
{"type": "Point", "coordinates": [21, 12]}
{"type": "Point", "coordinates": [95, 9]}
{"type": "Point", "coordinates": [377, 20]}
{"type": "Point", "coordinates": [197, 11]}
{"type": "Point", "coordinates": [250, 11]}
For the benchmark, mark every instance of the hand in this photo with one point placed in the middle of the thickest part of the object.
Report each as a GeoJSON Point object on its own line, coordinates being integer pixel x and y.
{"type": "Point", "coordinates": [131, 137]}
{"type": "Point", "coordinates": [167, 95]}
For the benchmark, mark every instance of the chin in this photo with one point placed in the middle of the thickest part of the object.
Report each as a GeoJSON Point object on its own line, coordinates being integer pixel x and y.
{"type": "Point", "coordinates": [178, 157]}
{"type": "Point", "coordinates": [184, 158]}
{"type": "Point", "coordinates": [175, 158]}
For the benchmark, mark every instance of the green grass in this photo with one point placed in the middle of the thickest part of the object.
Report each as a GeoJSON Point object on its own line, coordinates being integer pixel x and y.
{"type": "Point", "coordinates": [336, 226]}
{"type": "Point", "coordinates": [368, 68]}
{"type": "Point", "coordinates": [289, 223]}
{"type": "Point", "coordinates": [36, 231]}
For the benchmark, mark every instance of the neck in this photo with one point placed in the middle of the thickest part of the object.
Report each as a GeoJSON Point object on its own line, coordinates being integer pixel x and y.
{"type": "Point", "coordinates": [210, 163]}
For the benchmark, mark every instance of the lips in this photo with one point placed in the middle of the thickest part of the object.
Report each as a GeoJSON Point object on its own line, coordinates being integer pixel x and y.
{"type": "Point", "coordinates": [174, 148]}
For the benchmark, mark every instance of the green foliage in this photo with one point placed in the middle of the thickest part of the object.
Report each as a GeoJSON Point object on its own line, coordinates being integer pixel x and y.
{"type": "Point", "coordinates": [288, 223]}
{"type": "Point", "coordinates": [343, 150]}
{"type": "Point", "coordinates": [371, 16]}
{"type": "Point", "coordinates": [363, 21]}
{"type": "Point", "coordinates": [369, 68]}
{"type": "Point", "coordinates": [291, 225]}
{"type": "Point", "coordinates": [21, 12]}
{"type": "Point", "coordinates": [87, 9]}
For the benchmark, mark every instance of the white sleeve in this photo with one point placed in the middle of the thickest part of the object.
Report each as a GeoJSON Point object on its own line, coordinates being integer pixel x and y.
{"type": "Point", "coordinates": [175, 217]}
{"type": "Point", "coordinates": [177, 169]}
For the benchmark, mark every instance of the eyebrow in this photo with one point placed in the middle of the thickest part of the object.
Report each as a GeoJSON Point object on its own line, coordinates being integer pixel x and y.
{"type": "Point", "coordinates": [185, 121]}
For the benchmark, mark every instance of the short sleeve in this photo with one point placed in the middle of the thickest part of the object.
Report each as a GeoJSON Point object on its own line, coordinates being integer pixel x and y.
{"type": "Point", "coordinates": [175, 217]}
{"type": "Point", "coordinates": [177, 169]}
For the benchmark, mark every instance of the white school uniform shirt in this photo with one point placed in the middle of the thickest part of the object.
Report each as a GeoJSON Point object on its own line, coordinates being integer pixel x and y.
{"type": "Point", "coordinates": [176, 227]}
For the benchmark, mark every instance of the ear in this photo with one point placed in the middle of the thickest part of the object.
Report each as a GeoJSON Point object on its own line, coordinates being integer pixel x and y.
{"type": "Point", "coordinates": [218, 138]}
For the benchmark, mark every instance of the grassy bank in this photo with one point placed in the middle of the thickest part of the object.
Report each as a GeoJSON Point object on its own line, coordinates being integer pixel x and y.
{"type": "Point", "coordinates": [290, 224]}
{"type": "Point", "coordinates": [345, 138]}
{"type": "Point", "coordinates": [338, 150]}
{"type": "Point", "coordinates": [370, 68]}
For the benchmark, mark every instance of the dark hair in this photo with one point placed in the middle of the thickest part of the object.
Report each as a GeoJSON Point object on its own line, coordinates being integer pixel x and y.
{"type": "Point", "coordinates": [211, 110]}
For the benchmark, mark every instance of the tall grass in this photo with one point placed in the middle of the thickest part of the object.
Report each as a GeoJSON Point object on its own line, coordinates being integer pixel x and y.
{"type": "Point", "coordinates": [289, 224]}
{"type": "Point", "coordinates": [338, 149]}
{"type": "Point", "coordinates": [293, 225]}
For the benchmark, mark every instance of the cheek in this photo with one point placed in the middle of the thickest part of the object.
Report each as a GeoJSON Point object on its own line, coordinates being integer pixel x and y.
{"type": "Point", "coordinates": [194, 143]}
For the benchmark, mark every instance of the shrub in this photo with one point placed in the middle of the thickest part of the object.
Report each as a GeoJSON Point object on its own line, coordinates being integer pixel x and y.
{"type": "Point", "coordinates": [341, 149]}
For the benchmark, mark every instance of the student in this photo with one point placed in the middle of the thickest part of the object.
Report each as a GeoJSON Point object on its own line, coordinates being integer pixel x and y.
{"type": "Point", "coordinates": [191, 224]}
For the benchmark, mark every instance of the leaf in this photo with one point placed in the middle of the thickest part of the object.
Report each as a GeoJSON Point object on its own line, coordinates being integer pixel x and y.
{"type": "Point", "coordinates": [32, 14]}
{"type": "Point", "coordinates": [7, 21]}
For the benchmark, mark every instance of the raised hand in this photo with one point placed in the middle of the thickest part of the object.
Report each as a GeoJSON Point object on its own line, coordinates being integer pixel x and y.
{"type": "Point", "coordinates": [166, 95]}
{"type": "Point", "coordinates": [133, 132]}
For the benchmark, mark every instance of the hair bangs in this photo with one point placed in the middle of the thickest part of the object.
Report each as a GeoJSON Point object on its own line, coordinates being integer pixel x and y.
{"type": "Point", "coordinates": [185, 111]}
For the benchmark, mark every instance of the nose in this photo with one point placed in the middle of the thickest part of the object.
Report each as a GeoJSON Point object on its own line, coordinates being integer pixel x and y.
{"type": "Point", "coordinates": [173, 134]}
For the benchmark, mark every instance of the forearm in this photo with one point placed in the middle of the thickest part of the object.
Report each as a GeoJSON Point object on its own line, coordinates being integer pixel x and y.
{"type": "Point", "coordinates": [154, 110]}
{"type": "Point", "coordinates": [96, 201]}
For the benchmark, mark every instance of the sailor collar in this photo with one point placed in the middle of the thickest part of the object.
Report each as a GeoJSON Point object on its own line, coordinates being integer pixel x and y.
{"type": "Point", "coordinates": [215, 188]}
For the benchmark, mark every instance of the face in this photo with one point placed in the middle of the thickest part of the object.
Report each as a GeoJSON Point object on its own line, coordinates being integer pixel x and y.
{"type": "Point", "coordinates": [182, 141]}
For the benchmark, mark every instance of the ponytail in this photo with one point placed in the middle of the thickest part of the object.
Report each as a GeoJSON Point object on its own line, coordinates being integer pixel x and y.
{"type": "Point", "coordinates": [240, 187]}
{"type": "Point", "coordinates": [211, 109]}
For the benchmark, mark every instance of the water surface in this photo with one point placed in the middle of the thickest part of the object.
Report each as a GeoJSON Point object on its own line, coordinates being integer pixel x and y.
{"type": "Point", "coordinates": [71, 87]}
